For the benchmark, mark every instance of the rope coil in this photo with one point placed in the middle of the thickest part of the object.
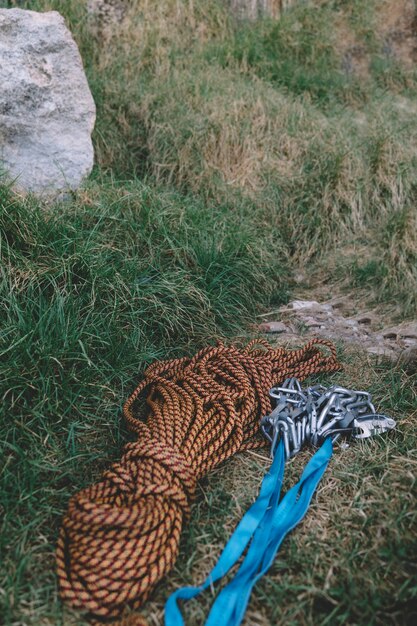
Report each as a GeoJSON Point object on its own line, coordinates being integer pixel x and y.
{"type": "Point", "coordinates": [121, 535]}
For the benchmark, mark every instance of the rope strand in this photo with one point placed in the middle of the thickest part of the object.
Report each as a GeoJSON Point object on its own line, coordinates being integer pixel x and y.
{"type": "Point", "coordinates": [121, 535]}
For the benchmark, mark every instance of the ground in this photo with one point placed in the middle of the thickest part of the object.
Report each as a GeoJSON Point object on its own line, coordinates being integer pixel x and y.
{"type": "Point", "coordinates": [239, 167]}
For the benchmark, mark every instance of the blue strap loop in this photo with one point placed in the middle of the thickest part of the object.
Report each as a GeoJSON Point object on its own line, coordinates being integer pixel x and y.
{"type": "Point", "coordinates": [263, 528]}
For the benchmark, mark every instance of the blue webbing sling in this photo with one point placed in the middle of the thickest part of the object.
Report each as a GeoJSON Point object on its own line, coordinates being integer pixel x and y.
{"type": "Point", "coordinates": [263, 529]}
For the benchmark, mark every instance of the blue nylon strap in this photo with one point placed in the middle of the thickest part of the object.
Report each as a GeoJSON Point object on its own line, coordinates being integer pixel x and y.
{"type": "Point", "coordinates": [230, 605]}
{"type": "Point", "coordinates": [237, 543]}
{"type": "Point", "coordinates": [266, 523]}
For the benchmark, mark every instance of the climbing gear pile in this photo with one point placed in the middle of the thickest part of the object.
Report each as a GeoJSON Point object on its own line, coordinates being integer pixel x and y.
{"type": "Point", "coordinates": [315, 414]}
{"type": "Point", "coordinates": [121, 535]}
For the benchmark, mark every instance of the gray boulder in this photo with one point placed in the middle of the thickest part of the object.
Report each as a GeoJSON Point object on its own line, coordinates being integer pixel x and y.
{"type": "Point", "coordinates": [47, 112]}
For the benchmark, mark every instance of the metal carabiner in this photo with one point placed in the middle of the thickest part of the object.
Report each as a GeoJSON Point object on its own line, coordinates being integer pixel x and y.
{"type": "Point", "coordinates": [373, 424]}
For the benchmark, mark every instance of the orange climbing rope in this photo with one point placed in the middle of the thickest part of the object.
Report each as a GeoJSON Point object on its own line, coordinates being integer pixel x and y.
{"type": "Point", "coordinates": [120, 536]}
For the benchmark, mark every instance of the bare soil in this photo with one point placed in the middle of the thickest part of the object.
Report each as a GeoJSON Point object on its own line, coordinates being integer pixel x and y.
{"type": "Point", "coordinates": [395, 29]}
{"type": "Point", "coordinates": [337, 320]}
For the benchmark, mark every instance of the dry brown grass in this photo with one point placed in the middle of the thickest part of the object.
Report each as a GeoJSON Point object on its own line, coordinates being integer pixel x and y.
{"type": "Point", "coordinates": [225, 132]}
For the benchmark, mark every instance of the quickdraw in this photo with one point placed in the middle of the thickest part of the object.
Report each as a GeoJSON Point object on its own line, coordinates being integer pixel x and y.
{"type": "Point", "coordinates": [317, 415]}
{"type": "Point", "coordinates": [311, 415]}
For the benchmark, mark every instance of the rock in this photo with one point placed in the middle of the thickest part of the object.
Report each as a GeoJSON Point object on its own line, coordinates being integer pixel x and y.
{"type": "Point", "coordinates": [380, 351]}
{"type": "Point", "coordinates": [407, 335]}
{"type": "Point", "coordinates": [310, 322]}
{"type": "Point", "coordinates": [327, 307]}
{"type": "Point", "coordinates": [407, 330]}
{"type": "Point", "coordinates": [351, 323]}
{"type": "Point", "coordinates": [340, 303]}
{"type": "Point", "coordinates": [365, 319]}
{"type": "Point", "coordinates": [47, 112]}
{"type": "Point", "coordinates": [273, 327]}
{"type": "Point", "coordinates": [297, 305]}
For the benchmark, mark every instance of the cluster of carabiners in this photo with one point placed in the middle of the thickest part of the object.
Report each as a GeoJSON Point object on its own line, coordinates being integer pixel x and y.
{"type": "Point", "coordinates": [315, 413]}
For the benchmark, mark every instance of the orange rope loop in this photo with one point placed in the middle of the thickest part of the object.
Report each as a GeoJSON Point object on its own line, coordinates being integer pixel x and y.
{"type": "Point", "coordinates": [120, 536]}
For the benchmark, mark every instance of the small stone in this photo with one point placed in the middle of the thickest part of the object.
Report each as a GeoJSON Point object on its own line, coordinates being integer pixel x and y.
{"type": "Point", "coordinates": [409, 342]}
{"type": "Point", "coordinates": [339, 303]}
{"type": "Point", "coordinates": [351, 323]}
{"type": "Point", "coordinates": [327, 307]}
{"type": "Point", "coordinates": [297, 305]}
{"type": "Point", "coordinates": [380, 351]}
{"type": "Point", "coordinates": [310, 322]}
{"type": "Point", "coordinates": [365, 318]}
{"type": "Point", "coordinates": [273, 327]}
{"type": "Point", "coordinates": [408, 330]}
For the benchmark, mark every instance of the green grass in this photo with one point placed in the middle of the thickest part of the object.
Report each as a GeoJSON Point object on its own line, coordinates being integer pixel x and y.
{"type": "Point", "coordinates": [92, 292]}
{"type": "Point", "coordinates": [296, 54]}
{"type": "Point", "coordinates": [267, 113]}
{"type": "Point", "coordinates": [229, 157]}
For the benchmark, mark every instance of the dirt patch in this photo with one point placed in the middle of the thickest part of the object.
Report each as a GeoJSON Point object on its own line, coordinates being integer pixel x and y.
{"type": "Point", "coordinates": [395, 30]}
{"type": "Point", "coordinates": [397, 26]}
{"type": "Point", "coordinates": [333, 320]}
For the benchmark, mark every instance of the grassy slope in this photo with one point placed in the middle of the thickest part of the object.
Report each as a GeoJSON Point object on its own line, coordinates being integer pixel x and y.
{"type": "Point", "coordinates": [226, 158]}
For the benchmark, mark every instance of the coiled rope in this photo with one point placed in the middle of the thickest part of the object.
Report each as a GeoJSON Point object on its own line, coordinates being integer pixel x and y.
{"type": "Point", "coordinates": [120, 536]}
